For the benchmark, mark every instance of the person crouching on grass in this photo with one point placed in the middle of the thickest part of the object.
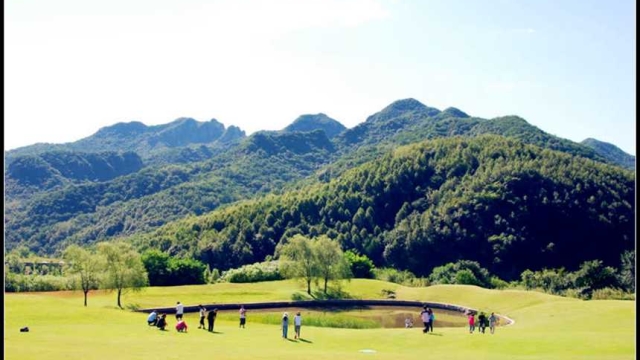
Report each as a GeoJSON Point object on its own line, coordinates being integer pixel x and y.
{"type": "Point", "coordinates": [162, 322]}
{"type": "Point", "coordinates": [181, 326]}
{"type": "Point", "coordinates": [152, 320]}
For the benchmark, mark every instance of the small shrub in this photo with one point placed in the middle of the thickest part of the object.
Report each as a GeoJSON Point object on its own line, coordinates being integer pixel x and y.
{"type": "Point", "coordinates": [361, 265]}
{"type": "Point", "coordinates": [498, 283]}
{"type": "Point", "coordinates": [33, 283]}
{"type": "Point", "coordinates": [574, 293]}
{"type": "Point", "coordinates": [264, 271]}
{"type": "Point", "coordinates": [404, 277]}
{"type": "Point", "coordinates": [612, 294]}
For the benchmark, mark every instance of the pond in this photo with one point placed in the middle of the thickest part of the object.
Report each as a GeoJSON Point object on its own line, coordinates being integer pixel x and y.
{"type": "Point", "coordinates": [360, 317]}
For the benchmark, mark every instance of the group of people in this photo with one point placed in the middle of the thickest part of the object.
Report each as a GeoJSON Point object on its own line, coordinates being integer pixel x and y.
{"type": "Point", "coordinates": [428, 317]}
{"type": "Point", "coordinates": [483, 322]}
{"type": "Point", "coordinates": [210, 315]}
{"type": "Point", "coordinates": [297, 324]}
{"type": "Point", "coordinates": [181, 326]}
{"type": "Point", "coordinates": [160, 320]}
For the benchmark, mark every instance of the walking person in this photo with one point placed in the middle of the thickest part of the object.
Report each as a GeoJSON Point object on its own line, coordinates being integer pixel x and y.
{"type": "Point", "coordinates": [432, 318]}
{"type": "Point", "coordinates": [211, 318]}
{"type": "Point", "coordinates": [179, 311]}
{"type": "Point", "coordinates": [202, 315]}
{"type": "Point", "coordinates": [472, 322]}
{"type": "Point", "coordinates": [492, 322]}
{"type": "Point", "coordinates": [482, 320]}
{"type": "Point", "coordinates": [297, 323]}
{"type": "Point", "coordinates": [243, 316]}
{"type": "Point", "coordinates": [424, 315]}
{"type": "Point", "coordinates": [285, 325]}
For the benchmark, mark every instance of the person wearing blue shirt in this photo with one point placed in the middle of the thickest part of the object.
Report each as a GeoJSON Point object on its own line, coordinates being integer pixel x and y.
{"type": "Point", "coordinates": [152, 319]}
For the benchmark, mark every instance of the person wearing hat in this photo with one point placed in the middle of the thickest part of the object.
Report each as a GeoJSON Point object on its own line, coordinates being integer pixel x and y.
{"type": "Point", "coordinates": [285, 325]}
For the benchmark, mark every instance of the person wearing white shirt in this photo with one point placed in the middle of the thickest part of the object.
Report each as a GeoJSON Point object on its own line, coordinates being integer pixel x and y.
{"type": "Point", "coordinates": [297, 323]}
{"type": "Point", "coordinates": [179, 311]}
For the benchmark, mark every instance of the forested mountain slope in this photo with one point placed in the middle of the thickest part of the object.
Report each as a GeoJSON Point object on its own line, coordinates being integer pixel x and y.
{"type": "Point", "coordinates": [185, 172]}
{"type": "Point", "coordinates": [611, 152]}
{"type": "Point", "coordinates": [498, 201]}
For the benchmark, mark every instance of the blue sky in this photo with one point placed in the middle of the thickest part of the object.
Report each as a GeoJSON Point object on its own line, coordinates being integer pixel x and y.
{"type": "Point", "coordinates": [73, 66]}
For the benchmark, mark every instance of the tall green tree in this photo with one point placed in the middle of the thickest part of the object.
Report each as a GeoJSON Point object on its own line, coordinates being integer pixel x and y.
{"type": "Point", "coordinates": [124, 268]}
{"type": "Point", "coordinates": [85, 267]}
{"type": "Point", "coordinates": [593, 275]}
{"type": "Point", "coordinates": [331, 261]}
{"type": "Point", "coordinates": [628, 270]}
{"type": "Point", "coordinates": [157, 265]}
{"type": "Point", "coordinates": [298, 260]}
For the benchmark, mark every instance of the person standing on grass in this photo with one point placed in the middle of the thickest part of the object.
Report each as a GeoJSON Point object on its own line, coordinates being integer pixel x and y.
{"type": "Point", "coordinates": [297, 323]}
{"type": "Point", "coordinates": [202, 311]}
{"type": "Point", "coordinates": [492, 322]}
{"type": "Point", "coordinates": [211, 318]}
{"type": "Point", "coordinates": [424, 315]}
{"type": "Point", "coordinates": [432, 318]}
{"type": "Point", "coordinates": [243, 316]}
{"type": "Point", "coordinates": [179, 311]}
{"type": "Point", "coordinates": [472, 322]}
{"type": "Point", "coordinates": [285, 325]}
{"type": "Point", "coordinates": [482, 318]}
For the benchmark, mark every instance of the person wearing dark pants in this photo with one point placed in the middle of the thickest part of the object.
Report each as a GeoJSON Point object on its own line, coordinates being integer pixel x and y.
{"type": "Point", "coordinates": [424, 315]}
{"type": "Point", "coordinates": [211, 318]}
{"type": "Point", "coordinates": [202, 316]}
{"type": "Point", "coordinates": [431, 319]}
{"type": "Point", "coordinates": [179, 311]}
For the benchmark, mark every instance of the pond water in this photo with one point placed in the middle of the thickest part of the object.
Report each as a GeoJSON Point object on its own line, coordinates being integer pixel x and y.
{"type": "Point", "coordinates": [352, 317]}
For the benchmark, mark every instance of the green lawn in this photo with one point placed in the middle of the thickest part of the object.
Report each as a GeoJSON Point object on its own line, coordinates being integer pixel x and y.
{"type": "Point", "coordinates": [546, 327]}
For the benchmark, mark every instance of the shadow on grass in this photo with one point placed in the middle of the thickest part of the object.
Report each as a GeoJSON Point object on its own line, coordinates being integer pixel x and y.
{"type": "Point", "coordinates": [435, 334]}
{"type": "Point", "coordinates": [215, 332]}
{"type": "Point", "coordinates": [305, 341]}
{"type": "Point", "coordinates": [298, 296]}
{"type": "Point", "coordinates": [332, 294]}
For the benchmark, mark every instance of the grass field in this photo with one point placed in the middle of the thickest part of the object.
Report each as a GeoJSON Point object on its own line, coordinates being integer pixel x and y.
{"type": "Point", "coordinates": [546, 327]}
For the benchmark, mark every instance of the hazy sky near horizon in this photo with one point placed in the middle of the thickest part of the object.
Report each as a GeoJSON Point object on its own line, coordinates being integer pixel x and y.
{"type": "Point", "coordinates": [74, 66]}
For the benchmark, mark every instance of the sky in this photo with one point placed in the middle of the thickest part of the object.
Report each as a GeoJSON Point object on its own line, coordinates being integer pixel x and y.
{"type": "Point", "coordinates": [72, 67]}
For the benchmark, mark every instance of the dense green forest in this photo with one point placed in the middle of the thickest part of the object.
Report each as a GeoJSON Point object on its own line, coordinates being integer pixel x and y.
{"type": "Point", "coordinates": [131, 179]}
{"type": "Point", "coordinates": [505, 204]}
{"type": "Point", "coordinates": [611, 152]}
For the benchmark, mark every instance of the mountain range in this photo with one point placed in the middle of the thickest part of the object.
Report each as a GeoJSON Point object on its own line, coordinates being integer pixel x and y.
{"type": "Point", "coordinates": [132, 180]}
